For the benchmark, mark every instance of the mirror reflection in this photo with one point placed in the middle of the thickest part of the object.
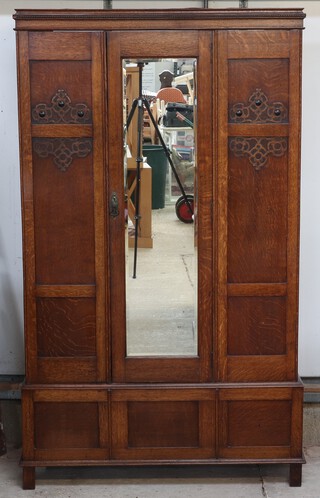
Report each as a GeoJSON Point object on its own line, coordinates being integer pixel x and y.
{"type": "Point", "coordinates": [161, 207]}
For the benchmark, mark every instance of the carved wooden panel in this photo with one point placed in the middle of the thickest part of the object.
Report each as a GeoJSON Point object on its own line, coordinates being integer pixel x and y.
{"type": "Point", "coordinates": [257, 219]}
{"type": "Point", "coordinates": [256, 325]}
{"type": "Point", "coordinates": [258, 90]}
{"type": "Point", "coordinates": [64, 218]}
{"type": "Point", "coordinates": [62, 151]}
{"type": "Point", "coordinates": [66, 327]}
{"type": "Point", "coordinates": [257, 150]}
{"type": "Point", "coordinates": [258, 109]}
{"type": "Point", "coordinates": [61, 110]}
{"type": "Point", "coordinates": [57, 82]}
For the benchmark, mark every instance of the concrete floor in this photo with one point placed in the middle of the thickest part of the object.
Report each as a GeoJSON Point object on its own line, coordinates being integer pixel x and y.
{"type": "Point", "coordinates": [245, 481]}
{"type": "Point", "coordinates": [161, 301]}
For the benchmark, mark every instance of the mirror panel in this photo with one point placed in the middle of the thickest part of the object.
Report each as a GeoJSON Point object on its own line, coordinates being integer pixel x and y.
{"type": "Point", "coordinates": [161, 264]}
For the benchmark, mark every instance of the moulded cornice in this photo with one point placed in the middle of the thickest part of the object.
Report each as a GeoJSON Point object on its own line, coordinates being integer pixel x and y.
{"type": "Point", "coordinates": [201, 17]}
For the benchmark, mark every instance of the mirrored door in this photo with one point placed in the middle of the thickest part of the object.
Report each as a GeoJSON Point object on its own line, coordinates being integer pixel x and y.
{"type": "Point", "coordinates": [161, 179]}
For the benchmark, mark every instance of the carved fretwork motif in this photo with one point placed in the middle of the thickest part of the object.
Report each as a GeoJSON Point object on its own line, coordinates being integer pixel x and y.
{"type": "Point", "coordinates": [258, 149]}
{"type": "Point", "coordinates": [62, 149]}
{"type": "Point", "coordinates": [258, 109]}
{"type": "Point", "coordinates": [61, 110]}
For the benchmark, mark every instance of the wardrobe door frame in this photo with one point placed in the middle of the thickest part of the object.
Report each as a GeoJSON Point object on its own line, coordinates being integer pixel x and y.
{"type": "Point", "coordinates": [284, 47]}
{"type": "Point", "coordinates": [159, 44]}
{"type": "Point", "coordinates": [78, 47]}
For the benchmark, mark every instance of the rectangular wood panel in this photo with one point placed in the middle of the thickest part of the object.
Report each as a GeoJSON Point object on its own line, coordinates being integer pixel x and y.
{"type": "Point", "coordinates": [66, 327]}
{"type": "Point", "coordinates": [160, 44]}
{"type": "Point", "coordinates": [66, 370]}
{"type": "Point", "coordinates": [256, 325]}
{"type": "Point", "coordinates": [257, 368]}
{"type": "Point", "coordinates": [66, 425]}
{"type": "Point", "coordinates": [64, 217]}
{"type": "Point", "coordinates": [259, 423]}
{"type": "Point", "coordinates": [49, 79]}
{"type": "Point", "coordinates": [61, 46]}
{"type": "Point", "coordinates": [257, 210]}
{"type": "Point", "coordinates": [258, 43]}
{"type": "Point", "coordinates": [162, 423]}
{"type": "Point", "coordinates": [158, 424]}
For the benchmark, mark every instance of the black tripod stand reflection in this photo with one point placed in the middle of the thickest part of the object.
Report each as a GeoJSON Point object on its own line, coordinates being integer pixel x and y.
{"type": "Point", "coordinates": [142, 103]}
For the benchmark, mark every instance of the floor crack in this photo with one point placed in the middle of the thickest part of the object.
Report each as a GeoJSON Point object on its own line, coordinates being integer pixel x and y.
{"type": "Point", "coordinates": [263, 486]}
{"type": "Point", "coordinates": [183, 257]}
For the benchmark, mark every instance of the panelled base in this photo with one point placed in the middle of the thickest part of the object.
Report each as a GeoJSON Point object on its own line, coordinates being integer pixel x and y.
{"type": "Point", "coordinates": [155, 425]}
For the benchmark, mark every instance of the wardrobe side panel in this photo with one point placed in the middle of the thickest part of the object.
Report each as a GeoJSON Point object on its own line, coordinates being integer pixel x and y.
{"type": "Point", "coordinates": [61, 93]}
{"type": "Point", "coordinates": [258, 184]}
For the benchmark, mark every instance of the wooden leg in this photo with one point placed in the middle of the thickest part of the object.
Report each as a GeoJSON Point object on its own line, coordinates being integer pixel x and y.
{"type": "Point", "coordinates": [295, 474]}
{"type": "Point", "coordinates": [29, 477]}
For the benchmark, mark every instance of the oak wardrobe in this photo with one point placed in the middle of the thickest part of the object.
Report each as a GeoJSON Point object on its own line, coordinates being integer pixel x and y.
{"type": "Point", "coordinates": [224, 386]}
